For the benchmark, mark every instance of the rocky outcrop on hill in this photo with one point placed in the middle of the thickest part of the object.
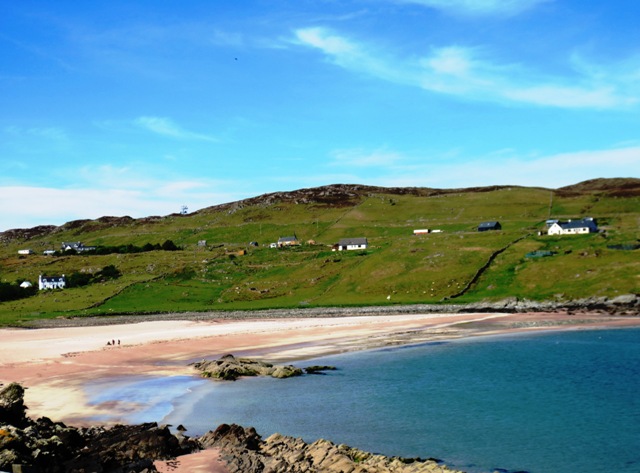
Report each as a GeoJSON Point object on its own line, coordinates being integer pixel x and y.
{"type": "Point", "coordinates": [616, 187]}
{"type": "Point", "coordinates": [50, 447]}
{"type": "Point", "coordinates": [246, 452]}
{"type": "Point", "coordinates": [231, 368]}
{"type": "Point", "coordinates": [626, 304]}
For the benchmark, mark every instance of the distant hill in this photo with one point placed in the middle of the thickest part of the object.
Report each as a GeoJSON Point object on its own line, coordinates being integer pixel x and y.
{"type": "Point", "coordinates": [615, 187]}
{"type": "Point", "coordinates": [218, 269]}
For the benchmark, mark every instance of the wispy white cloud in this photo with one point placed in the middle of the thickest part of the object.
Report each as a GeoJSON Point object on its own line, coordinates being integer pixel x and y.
{"type": "Point", "coordinates": [468, 73]}
{"type": "Point", "coordinates": [50, 133]}
{"type": "Point", "coordinates": [167, 127]}
{"type": "Point", "coordinates": [568, 97]}
{"type": "Point", "coordinates": [29, 206]}
{"type": "Point", "coordinates": [504, 167]}
{"type": "Point", "coordinates": [508, 167]}
{"type": "Point", "coordinates": [479, 7]}
{"type": "Point", "coordinates": [152, 180]}
{"type": "Point", "coordinates": [363, 158]}
{"type": "Point", "coordinates": [615, 158]}
{"type": "Point", "coordinates": [347, 53]}
{"type": "Point", "coordinates": [465, 72]}
{"type": "Point", "coordinates": [220, 37]}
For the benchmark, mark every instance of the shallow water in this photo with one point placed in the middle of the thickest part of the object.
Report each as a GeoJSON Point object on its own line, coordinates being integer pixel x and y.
{"type": "Point", "coordinates": [143, 399]}
{"type": "Point", "coordinates": [558, 402]}
{"type": "Point", "coordinates": [555, 402]}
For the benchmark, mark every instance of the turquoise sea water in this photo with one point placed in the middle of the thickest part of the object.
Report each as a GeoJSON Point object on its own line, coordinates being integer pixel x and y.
{"type": "Point", "coordinates": [561, 402]}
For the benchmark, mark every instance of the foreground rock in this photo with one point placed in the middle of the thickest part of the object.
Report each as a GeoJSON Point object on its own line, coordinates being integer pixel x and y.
{"type": "Point", "coordinates": [51, 447]}
{"type": "Point", "coordinates": [231, 368]}
{"type": "Point", "coordinates": [245, 452]}
{"type": "Point", "coordinates": [45, 446]}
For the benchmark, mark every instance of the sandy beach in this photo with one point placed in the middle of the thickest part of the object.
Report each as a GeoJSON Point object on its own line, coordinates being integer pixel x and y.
{"type": "Point", "coordinates": [56, 364]}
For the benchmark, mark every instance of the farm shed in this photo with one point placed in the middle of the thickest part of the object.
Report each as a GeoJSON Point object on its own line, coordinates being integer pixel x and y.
{"type": "Point", "coordinates": [486, 226]}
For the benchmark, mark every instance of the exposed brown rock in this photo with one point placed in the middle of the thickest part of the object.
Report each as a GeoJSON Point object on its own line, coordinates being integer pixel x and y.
{"type": "Point", "coordinates": [231, 368]}
{"type": "Point", "coordinates": [245, 451]}
{"type": "Point", "coordinates": [52, 447]}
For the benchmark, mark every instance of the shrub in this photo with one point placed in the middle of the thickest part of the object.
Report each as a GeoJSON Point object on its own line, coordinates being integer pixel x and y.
{"type": "Point", "coordinates": [12, 292]}
{"type": "Point", "coordinates": [109, 272]}
{"type": "Point", "coordinates": [169, 246]}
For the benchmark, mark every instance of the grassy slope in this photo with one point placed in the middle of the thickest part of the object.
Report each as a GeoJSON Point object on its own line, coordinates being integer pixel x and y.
{"type": "Point", "coordinates": [398, 267]}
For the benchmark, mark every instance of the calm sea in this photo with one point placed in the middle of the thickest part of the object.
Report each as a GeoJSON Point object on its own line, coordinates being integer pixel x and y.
{"type": "Point", "coordinates": [544, 403]}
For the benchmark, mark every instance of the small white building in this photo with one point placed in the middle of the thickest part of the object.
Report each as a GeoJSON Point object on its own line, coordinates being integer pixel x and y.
{"type": "Point", "coordinates": [573, 227]}
{"type": "Point", "coordinates": [25, 284]}
{"type": "Point", "coordinates": [288, 241]}
{"type": "Point", "coordinates": [352, 244]}
{"type": "Point", "coordinates": [75, 245]}
{"type": "Point", "coordinates": [51, 282]}
{"type": "Point", "coordinates": [71, 245]}
{"type": "Point", "coordinates": [422, 231]}
{"type": "Point", "coordinates": [25, 252]}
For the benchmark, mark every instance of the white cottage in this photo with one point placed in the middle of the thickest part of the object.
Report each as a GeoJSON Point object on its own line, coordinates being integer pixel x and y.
{"type": "Point", "coordinates": [51, 282]}
{"type": "Point", "coordinates": [288, 241]}
{"type": "Point", "coordinates": [573, 227]}
{"type": "Point", "coordinates": [352, 244]}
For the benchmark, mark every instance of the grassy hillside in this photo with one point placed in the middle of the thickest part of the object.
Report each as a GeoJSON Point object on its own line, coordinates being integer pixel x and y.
{"type": "Point", "coordinates": [458, 264]}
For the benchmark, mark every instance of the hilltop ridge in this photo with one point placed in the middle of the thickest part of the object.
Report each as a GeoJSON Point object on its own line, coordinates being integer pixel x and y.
{"type": "Point", "coordinates": [331, 195]}
{"type": "Point", "coordinates": [226, 260]}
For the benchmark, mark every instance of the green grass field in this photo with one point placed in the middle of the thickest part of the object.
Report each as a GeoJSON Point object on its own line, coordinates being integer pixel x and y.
{"type": "Point", "coordinates": [397, 268]}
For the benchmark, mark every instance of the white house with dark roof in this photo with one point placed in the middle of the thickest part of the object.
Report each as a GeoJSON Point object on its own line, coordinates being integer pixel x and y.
{"type": "Point", "coordinates": [51, 282]}
{"type": "Point", "coordinates": [71, 245]}
{"type": "Point", "coordinates": [288, 241]}
{"type": "Point", "coordinates": [573, 227]}
{"type": "Point", "coordinates": [352, 244]}
{"type": "Point", "coordinates": [76, 245]}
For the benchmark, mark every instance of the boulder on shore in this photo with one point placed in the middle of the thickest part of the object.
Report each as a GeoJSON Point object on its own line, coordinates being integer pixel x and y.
{"type": "Point", "coordinates": [231, 368]}
{"type": "Point", "coordinates": [244, 451]}
{"type": "Point", "coordinates": [12, 408]}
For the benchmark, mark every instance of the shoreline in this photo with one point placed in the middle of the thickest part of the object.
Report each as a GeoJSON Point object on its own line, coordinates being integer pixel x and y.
{"type": "Point", "coordinates": [58, 365]}
{"type": "Point", "coordinates": [59, 362]}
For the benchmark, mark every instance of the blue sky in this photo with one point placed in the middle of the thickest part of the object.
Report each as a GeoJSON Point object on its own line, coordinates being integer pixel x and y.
{"type": "Point", "coordinates": [137, 108]}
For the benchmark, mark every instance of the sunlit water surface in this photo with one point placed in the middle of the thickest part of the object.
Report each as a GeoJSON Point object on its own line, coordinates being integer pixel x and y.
{"type": "Point", "coordinates": [543, 403]}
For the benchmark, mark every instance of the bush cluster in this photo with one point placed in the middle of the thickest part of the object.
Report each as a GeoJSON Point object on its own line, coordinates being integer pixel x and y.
{"type": "Point", "coordinates": [122, 249]}
{"type": "Point", "coordinates": [83, 279]}
{"type": "Point", "coordinates": [125, 249]}
{"type": "Point", "coordinates": [12, 292]}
